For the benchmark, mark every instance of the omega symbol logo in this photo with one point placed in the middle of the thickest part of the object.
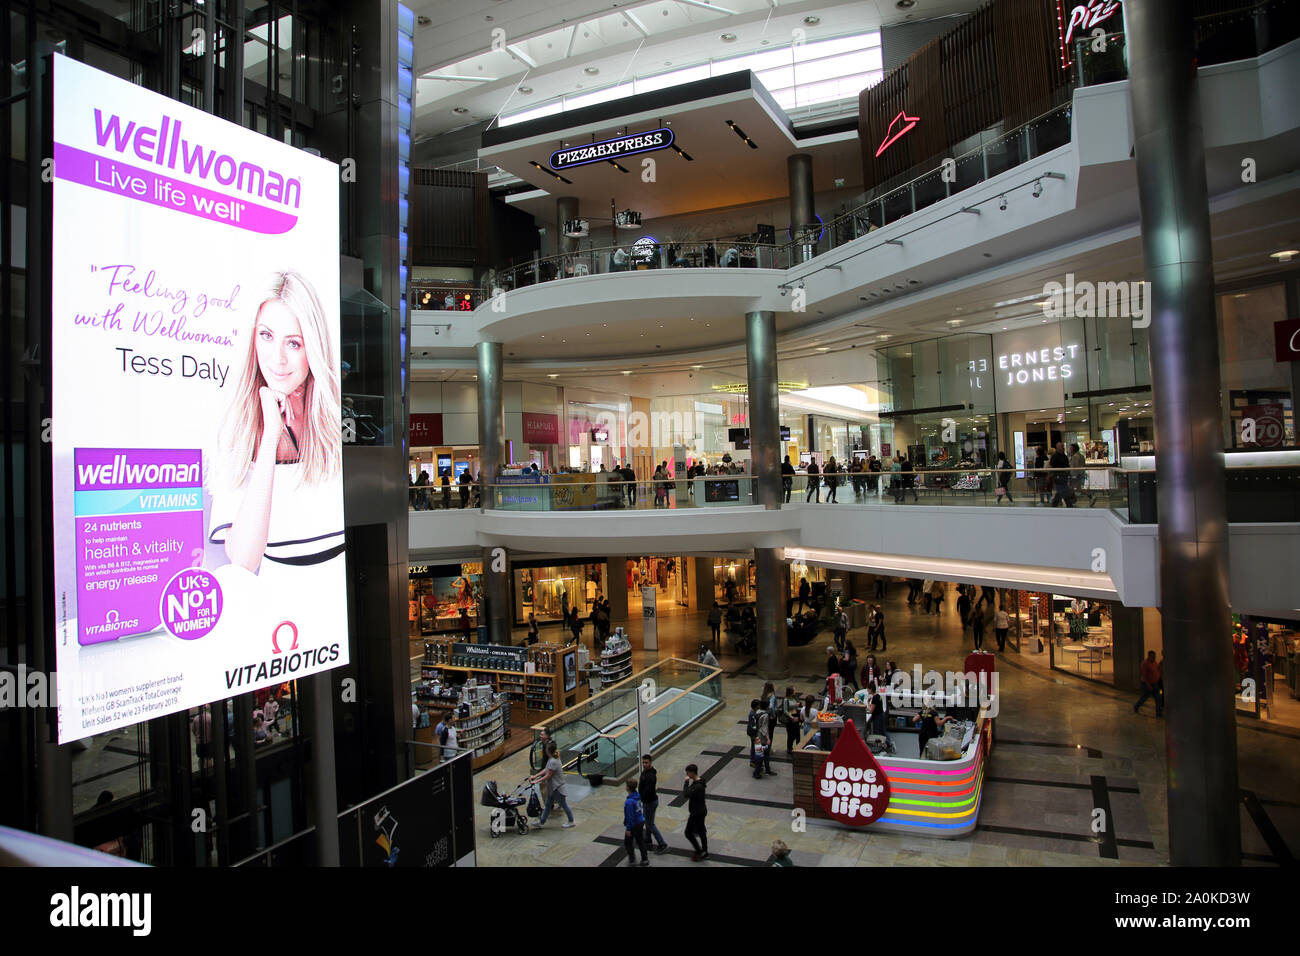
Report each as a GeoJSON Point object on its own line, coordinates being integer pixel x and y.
{"type": "Point", "coordinates": [112, 617]}
{"type": "Point", "coordinates": [275, 639]}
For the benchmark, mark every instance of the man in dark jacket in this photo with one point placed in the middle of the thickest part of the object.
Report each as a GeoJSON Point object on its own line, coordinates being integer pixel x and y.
{"type": "Point", "coordinates": [647, 786]}
{"type": "Point", "coordinates": [1061, 478]}
{"type": "Point", "coordinates": [814, 483]}
{"type": "Point", "coordinates": [696, 811]}
{"type": "Point", "coordinates": [787, 478]}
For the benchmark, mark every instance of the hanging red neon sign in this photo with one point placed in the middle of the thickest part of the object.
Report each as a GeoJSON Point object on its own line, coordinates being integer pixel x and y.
{"type": "Point", "coordinates": [891, 136]}
{"type": "Point", "coordinates": [1082, 18]}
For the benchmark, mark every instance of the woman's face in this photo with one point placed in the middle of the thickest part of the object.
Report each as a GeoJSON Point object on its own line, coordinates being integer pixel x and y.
{"type": "Point", "coordinates": [281, 351]}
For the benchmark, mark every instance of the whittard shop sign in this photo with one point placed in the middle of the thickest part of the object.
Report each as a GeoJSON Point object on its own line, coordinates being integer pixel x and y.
{"type": "Point", "coordinates": [612, 149]}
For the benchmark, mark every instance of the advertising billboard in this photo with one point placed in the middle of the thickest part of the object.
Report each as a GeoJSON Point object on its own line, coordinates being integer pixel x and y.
{"type": "Point", "coordinates": [197, 439]}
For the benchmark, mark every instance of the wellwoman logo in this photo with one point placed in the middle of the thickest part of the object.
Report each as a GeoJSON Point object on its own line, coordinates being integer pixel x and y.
{"type": "Point", "coordinates": [74, 910]}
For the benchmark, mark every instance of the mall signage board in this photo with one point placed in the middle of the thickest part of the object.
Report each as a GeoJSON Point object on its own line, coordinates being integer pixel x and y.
{"type": "Point", "coordinates": [1076, 20]}
{"type": "Point", "coordinates": [1034, 367]}
{"type": "Point", "coordinates": [609, 149]}
{"type": "Point", "coordinates": [1286, 340]}
{"type": "Point", "coordinates": [541, 429]}
{"type": "Point", "coordinates": [197, 438]}
{"type": "Point", "coordinates": [426, 429]}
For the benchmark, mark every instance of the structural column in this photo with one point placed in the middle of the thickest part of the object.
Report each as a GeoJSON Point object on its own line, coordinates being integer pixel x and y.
{"type": "Point", "coordinates": [566, 208]}
{"type": "Point", "coordinates": [765, 445]}
{"type": "Point", "coordinates": [1200, 725]}
{"type": "Point", "coordinates": [491, 450]}
{"type": "Point", "coordinates": [803, 213]}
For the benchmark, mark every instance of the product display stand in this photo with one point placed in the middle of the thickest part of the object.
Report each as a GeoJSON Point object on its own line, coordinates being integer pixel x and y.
{"type": "Point", "coordinates": [615, 660]}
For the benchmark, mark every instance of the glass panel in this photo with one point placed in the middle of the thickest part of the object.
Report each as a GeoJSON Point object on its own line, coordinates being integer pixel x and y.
{"type": "Point", "coordinates": [366, 371]}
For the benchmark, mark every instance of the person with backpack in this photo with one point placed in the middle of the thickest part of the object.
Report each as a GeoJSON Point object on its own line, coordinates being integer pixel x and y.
{"type": "Point", "coordinates": [634, 825]}
{"type": "Point", "coordinates": [752, 725]}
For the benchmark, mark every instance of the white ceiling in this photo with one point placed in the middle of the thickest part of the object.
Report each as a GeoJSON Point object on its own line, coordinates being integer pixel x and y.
{"type": "Point", "coordinates": [708, 181]}
{"type": "Point", "coordinates": [548, 46]}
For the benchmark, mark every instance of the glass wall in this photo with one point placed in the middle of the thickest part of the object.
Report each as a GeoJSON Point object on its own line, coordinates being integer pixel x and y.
{"type": "Point", "coordinates": [733, 580]}
{"type": "Point", "coordinates": [1257, 387]}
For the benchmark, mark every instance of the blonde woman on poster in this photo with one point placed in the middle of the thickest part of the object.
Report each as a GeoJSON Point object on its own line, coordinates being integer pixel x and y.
{"type": "Point", "coordinates": [277, 510]}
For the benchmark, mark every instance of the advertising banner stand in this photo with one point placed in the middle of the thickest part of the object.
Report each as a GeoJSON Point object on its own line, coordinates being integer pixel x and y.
{"type": "Point", "coordinates": [650, 618]}
{"type": "Point", "coordinates": [196, 383]}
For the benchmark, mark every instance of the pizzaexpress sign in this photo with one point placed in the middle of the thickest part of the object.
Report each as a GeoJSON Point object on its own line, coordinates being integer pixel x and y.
{"type": "Point", "coordinates": [612, 149]}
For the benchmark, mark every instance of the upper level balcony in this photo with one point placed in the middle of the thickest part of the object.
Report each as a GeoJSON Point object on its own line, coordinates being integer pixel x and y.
{"type": "Point", "coordinates": [1100, 540]}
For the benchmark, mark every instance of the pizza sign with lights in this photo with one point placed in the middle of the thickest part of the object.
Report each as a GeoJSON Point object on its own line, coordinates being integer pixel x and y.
{"type": "Point", "coordinates": [1079, 19]}
{"type": "Point", "coordinates": [852, 787]}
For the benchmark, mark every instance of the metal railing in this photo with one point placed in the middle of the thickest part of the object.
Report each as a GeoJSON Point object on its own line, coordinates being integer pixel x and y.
{"type": "Point", "coordinates": [1255, 493]}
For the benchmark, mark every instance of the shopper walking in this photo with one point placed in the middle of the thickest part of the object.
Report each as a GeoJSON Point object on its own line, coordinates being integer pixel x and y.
{"type": "Point", "coordinates": [977, 626]}
{"type": "Point", "coordinates": [553, 774]}
{"type": "Point", "coordinates": [1079, 474]}
{"type": "Point", "coordinates": [813, 480]}
{"type": "Point", "coordinates": [963, 605]}
{"type": "Point", "coordinates": [1001, 625]}
{"type": "Point", "coordinates": [787, 478]}
{"type": "Point", "coordinates": [1152, 676]}
{"type": "Point", "coordinates": [792, 717]}
{"type": "Point", "coordinates": [873, 477]}
{"type": "Point", "coordinates": [1060, 465]}
{"type": "Point", "coordinates": [841, 627]}
{"type": "Point", "coordinates": [849, 665]}
{"type": "Point", "coordinates": [1041, 476]}
{"type": "Point", "coordinates": [876, 630]}
{"type": "Point", "coordinates": [937, 593]}
{"type": "Point", "coordinates": [1002, 479]}
{"type": "Point", "coordinates": [629, 476]}
{"type": "Point", "coordinates": [634, 825]}
{"type": "Point", "coordinates": [715, 622]}
{"type": "Point", "coordinates": [927, 595]}
{"type": "Point", "coordinates": [896, 478]}
{"type": "Point", "coordinates": [881, 582]}
{"type": "Point", "coordinates": [696, 811]}
{"type": "Point", "coordinates": [465, 479]}
{"type": "Point", "coordinates": [648, 787]}
{"type": "Point", "coordinates": [832, 476]}
{"type": "Point", "coordinates": [909, 481]}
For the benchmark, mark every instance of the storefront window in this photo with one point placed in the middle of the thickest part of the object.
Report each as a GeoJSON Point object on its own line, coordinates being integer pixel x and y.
{"type": "Point", "coordinates": [664, 573]}
{"type": "Point", "coordinates": [1079, 633]}
{"type": "Point", "coordinates": [437, 595]}
{"type": "Point", "coordinates": [549, 592]}
{"type": "Point", "coordinates": [733, 580]}
{"type": "Point", "coordinates": [1257, 386]}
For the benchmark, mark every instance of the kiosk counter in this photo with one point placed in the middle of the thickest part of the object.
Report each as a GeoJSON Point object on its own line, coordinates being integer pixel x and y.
{"type": "Point", "coordinates": [936, 798]}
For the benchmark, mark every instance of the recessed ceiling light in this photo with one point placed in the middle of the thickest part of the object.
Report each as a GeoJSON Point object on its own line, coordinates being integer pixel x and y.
{"type": "Point", "coordinates": [812, 21]}
{"type": "Point", "coordinates": [591, 70]}
{"type": "Point", "coordinates": [728, 38]}
{"type": "Point", "coordinates": [883, 336]}
{"type": "Point", "coordinates": [459, 109]}
{"type": "Point", "coordinates": [627, 373]}
{"type": "Point", "coordinates": [423, 21]}
{"type": "Point", "coordinates": [1285, 255]}
{"type": "Point", "coordinates": [905, 4]}
{"type": "Point", "coordinates": [764, 42]}
{"type": "Point", "coordinates": [697, 366]}
{"type": "Point", "coordinates": [525, 90]}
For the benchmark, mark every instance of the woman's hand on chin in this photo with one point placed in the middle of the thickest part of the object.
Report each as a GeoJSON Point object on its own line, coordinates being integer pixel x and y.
{"type": "Point", "coordinates": [273, 403]}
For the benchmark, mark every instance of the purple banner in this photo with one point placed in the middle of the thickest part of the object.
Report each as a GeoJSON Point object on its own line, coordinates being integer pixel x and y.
{"type": "Point", "coordinates": [108, 469]}
{"type": "Point", "coordinates": [134, 182]}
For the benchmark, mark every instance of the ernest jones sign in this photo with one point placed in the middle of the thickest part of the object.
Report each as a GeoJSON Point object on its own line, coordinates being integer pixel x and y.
{"type": "Point", "coordinates": [1286, 340]}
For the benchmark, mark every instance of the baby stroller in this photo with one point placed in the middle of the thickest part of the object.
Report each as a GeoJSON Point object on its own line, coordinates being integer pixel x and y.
{"type": "Point", "coordinates": [508, 811]}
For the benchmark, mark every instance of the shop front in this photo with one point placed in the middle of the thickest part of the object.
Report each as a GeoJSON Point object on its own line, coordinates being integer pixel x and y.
{"type": "Point", "coordinates": [438, 593]}
{"type": "Point", "coordinates": [549, 591]}
{"type": "Point", "coordinates": [669, 575]}
{"type": "Point", "coordinates": [734, 580]}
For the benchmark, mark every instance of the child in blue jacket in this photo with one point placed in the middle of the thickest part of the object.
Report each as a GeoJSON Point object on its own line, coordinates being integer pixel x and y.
{"type": "Point", "coordinates": [634, 825]}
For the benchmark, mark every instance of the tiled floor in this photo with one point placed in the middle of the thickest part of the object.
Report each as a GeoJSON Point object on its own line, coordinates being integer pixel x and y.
{"type": "Point", "coordinates": [1064, 750]}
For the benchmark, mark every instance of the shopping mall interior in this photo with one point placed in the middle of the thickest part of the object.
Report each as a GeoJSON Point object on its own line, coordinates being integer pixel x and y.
{"type": "Point", "coordinates": [705, 371]}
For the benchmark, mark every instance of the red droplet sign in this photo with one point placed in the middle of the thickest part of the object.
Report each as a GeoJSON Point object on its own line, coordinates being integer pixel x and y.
{"type": "Point", "coordinates": [852, 786]}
